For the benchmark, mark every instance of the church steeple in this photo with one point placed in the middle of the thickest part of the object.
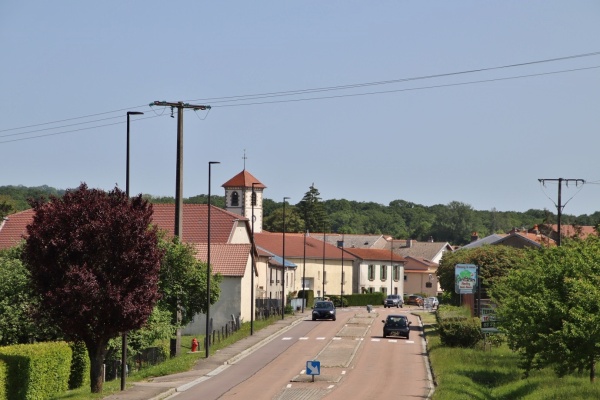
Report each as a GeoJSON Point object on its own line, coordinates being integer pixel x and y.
{"type": "Point", "coordinates": [239, 199]}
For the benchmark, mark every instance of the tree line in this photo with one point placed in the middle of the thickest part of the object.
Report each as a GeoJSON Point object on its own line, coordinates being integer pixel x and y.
{"type": "Point", "coordinates": [453, 222]}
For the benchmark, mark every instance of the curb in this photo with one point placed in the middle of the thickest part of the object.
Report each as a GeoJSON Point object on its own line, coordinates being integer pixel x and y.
{"type": "Point", "coordinates": [230, 361]}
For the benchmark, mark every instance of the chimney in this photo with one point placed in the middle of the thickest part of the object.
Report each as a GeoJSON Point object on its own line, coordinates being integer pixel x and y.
{"type": "Point", "coordinates": [474, 237]}
{"type": "Point", "coordinates": [409, 243]}
{"type": "Point", "coordinates": [430, 240]}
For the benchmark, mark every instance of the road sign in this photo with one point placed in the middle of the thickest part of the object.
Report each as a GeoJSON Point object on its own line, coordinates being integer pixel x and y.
{"type": "Point", "coordinates": [313, 367]}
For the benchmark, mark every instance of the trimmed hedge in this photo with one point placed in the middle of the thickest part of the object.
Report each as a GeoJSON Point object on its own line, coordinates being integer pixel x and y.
{"type": "Point", "coordinates": [3, 380]}
{"type": "Point", "coordinates": [310, 297]}
{"type": "Point", "coordinates": [364, 299]}
{"type": "Point", "coordinates": [80, 366]}
{"type": "Point", "coordinates": [36, 371]}
{"type": "Point", "coordinates": [457, 328]}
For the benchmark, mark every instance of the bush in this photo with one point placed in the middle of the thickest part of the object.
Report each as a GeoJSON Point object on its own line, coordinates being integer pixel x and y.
{"type": "Point", "coordinates": [37, 371]}
{"type": "Point", "coordinates": [337, 301]}
{"type": "Point", "coordinates": [375, 298]}
{"type": "Point", "coordinates": [80, 366]}
{"type": "Point", "coordinates": [457, 328]}
{"type": "Point", "coordinates": [310, 297]}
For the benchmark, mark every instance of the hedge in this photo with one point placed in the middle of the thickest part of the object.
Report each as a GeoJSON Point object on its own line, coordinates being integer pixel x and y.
{"type": "Point", "coordinates": [456, 327]}
{"type": "Point", "coordinates": [36, 371]}
{"type": "Point", "coordinates": [80, 366]}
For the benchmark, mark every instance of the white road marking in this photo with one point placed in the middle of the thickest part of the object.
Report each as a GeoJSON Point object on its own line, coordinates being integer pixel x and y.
{"type": "Point", "coordinates": [375, 340]}
{"type": "Point", "coordinates": [330, 386]}
{"type": "Point", "coordinates": [320, 338]}
{"type": "Point", "coordinates": [337, 338]}
{"type": "Point", "coordinates": [303, 338]}
{"type": "Point", "coordinates": [343, 372]}
{"type": "Point", "coordinates": [392, 340]}
{"type": "Point", "coordinates": [286, 338]}
{"type": "Point", "coordinates": [410, 341]}
{"type": "Point", "coordinates": [289, 385]}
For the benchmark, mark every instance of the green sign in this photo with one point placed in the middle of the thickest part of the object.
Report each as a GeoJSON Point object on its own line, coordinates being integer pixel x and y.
{"type": "Point", "coordinates": [465, 278]}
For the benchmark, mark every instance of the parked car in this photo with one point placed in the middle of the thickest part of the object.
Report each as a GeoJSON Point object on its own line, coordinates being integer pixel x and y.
{"type": "Point", "coordinates": [323, 310]}
{"type": "Point", "coordinates": [393, 300]}
{"type": "Point", "coordinates": [433, 301]}
{"type": "Point", "coordinates": [415, 300]}
{"type": "Point", "coordinates": [396, 325]}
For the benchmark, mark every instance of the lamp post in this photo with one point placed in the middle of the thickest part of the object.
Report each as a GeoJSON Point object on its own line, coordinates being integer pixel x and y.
{"type": "Point", "coordinates": [341, 246]}
{"type": "Point", "coordinates": [392, 266]}
{"type": "Point", "coordinates": [304, 272]}
{"type": "Point", "coordinates": [323, 272]}
{"type": "Point", "coordinates": [253, 201]}
{"type": "Point", "coordinates": [207, 337]}
{"type": "Point", "coordinates": [283, 267]}
{"type": "Point", "coordinates": [124, 338]}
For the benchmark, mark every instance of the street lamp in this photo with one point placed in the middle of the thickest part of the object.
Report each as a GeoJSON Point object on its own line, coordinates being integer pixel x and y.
{"type": "Point", "coordinates": [392, 266]}
{"type": "Point", "coordinates": [253, 202]}
{"type": "Point", "coordinates": [304, 272]}
{"type": "Point", "coordinates": [341, 246]}
{"type": "Point", "coordinates": [124, 338]}
{"type": "Point", "coordinates": [323, 274]}
{"type": "Point", "coordinates": [283, 269]}
{"type": "Point", "coordinates": [207, 338]}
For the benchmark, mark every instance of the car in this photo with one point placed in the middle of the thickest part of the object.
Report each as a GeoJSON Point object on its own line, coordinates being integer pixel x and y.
{"type": "Point", "coordinates": [415, 300]}
{"type": "Point", "coordinates": [433, 301]}
{"type": "Point", "coordinates": [323, 310]}
{"type": "Point", "coordinates": [396, 325]}
{"type": "Point", "coordinates": [393, 300]}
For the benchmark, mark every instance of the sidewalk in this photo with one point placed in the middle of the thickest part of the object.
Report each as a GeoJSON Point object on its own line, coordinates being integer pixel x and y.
{"type": "Point", "coordinates": [164, 386]}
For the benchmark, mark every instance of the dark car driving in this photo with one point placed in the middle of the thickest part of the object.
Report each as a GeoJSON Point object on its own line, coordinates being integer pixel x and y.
{"type": "Point", "coordinates": [396, 325]}
{"type": "Point", "coordinates": [323, 310]}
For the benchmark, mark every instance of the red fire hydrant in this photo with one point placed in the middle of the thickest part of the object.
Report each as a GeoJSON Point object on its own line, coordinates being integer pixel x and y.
{"type": "Point", "coordinates": [194, 345]}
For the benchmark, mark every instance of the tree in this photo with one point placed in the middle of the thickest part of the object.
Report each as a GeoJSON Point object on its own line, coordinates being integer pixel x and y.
{"type": "Point", "coordinates": [293, 220]}
{"type": "Point", "coordinates": [550, 307]}
{"type": "Point", "coordinates": [7, 206]}
{"type": "Point", "coordinates": [494, 262]}
{"type": "Point", "coordinates": [183, 282]}
{"type": "Point", "coordinates": [94, 260]}
{"type": "Point", "coordinates": [454, 223]}
{"type": "Point", "coordinates": [312, 210]}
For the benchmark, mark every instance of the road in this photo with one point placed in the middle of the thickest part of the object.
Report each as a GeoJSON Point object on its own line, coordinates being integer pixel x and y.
{"type": "Point", "coordinates": [356, 362]}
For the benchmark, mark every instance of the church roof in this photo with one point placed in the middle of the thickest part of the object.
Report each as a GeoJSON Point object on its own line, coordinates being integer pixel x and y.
{"type": "Point", "coordinates": [244, 179]}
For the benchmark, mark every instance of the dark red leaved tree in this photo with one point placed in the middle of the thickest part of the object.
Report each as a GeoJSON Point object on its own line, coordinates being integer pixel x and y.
{"type": "Point", "coordinates": [95, 261]}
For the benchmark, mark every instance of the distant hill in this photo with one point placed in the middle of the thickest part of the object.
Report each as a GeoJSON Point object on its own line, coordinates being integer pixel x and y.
{"type": "Point", "coordinates": [453, 222]}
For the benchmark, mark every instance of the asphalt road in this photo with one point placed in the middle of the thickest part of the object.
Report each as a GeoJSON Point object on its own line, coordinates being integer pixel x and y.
{"type": "Point", "coordinates": [356, 362]}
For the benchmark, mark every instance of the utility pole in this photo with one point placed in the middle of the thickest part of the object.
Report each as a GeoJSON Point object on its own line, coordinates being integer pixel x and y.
{"type": "Point", "coordinates": [559, 207]}
{"type": "Point", "coordinates": [179, 184]}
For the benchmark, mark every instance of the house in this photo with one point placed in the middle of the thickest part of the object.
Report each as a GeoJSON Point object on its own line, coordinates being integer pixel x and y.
{"type": "Point", "coordinates": [313, 264]}
{"type": "Point", "coordinates": [422, 261]}
{"type": "Point", "coordinates": [420, 276]}
{"type": "Point", "coordinates": [377, 270]}
{"type": "Point", "coordinates": [231, 247]}
{"type": "Point", "coordinates": [518, 238]}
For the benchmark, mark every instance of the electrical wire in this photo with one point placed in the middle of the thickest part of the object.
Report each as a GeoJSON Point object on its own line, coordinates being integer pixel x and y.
{"type": "Point", "coordinates": [330, 88]}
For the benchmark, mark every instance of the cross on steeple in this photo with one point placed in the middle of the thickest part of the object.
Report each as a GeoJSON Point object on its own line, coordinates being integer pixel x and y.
{"type": "Point", "coordinates": [244, 158]}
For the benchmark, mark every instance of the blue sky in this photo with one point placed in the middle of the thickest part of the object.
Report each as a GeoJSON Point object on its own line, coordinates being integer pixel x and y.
{"type": "Point", "coordinates": [482, 138]}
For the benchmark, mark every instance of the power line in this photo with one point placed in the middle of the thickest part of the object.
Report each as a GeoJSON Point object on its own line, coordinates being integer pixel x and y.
{"type": "Point", "coordinates": [331, 88]}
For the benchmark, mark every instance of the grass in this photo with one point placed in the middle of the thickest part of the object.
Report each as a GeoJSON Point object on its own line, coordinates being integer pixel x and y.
{"type": "Point", "coordinates": [493, 374]}
{"type": "Point", "coordinates": [171, 366]}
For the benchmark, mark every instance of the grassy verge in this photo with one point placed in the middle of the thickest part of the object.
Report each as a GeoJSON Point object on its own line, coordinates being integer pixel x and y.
{"type": "Point", "coordinates": [493, 374]}
{"type": "Point", "coordinates": [171, 366]}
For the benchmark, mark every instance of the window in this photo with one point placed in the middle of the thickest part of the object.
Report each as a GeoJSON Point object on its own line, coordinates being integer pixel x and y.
{"type": "Point", "coordinates": [319, 275]}
{"type": "Point", "coordinates": [324, 276]}
{"type": "Point", "coordinates": [253, 199]}
{"type": "Point", "coordinates": [396, 272]}
{"type": "Point", "coordinates": [405, 278]}
{"type": "Point", "coordinates": [384, 290]}
{"type": "Point", "coordinates": [371, 273]}
{"type": "Point", "coordinates": [383, 273]}
{"type": "Point", "coordinates": [235, 199]}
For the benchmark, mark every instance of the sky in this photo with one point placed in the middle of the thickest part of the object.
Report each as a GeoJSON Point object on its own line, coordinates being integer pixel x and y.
{"type": "Point", "coordinates": [427, 102]}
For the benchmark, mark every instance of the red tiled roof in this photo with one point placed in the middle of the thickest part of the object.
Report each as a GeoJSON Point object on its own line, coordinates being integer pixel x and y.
{"type": "Point", "coordinates": [245, 180]}
{"type": "Point", "coordinates": [570, 230]}
{"type": "Point", "coordinates": [375, 254]}
{"type": "Point", "coordinates": [195, 218]}
{"type": "Point", "coordinates": [194, 230]}
{"type": "Point", "coordinates": [13, 228]}
{"type": "Point", "coordinates": [294, 245]}
{"type": "Point", "coordinates": [226, 259]}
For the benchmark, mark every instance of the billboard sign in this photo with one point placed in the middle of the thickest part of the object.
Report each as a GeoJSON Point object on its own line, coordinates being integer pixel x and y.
{"type": "Point", "coordinates": [465, 278]}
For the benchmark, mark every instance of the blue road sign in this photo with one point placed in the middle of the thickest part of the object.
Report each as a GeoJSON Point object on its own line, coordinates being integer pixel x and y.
{"type": "Point", "coordinates": [313, 367]}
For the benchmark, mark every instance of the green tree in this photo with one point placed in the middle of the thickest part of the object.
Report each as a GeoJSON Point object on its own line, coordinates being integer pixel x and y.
{"type": "Point", "coordinates": [7, 206]}
{"type": "Point", "coordinates": [94, 261]}
{"type": "Point", "coordinates": [183, 282]}
{"type": "Point", "coordinates": [494, 262]}
{"type": "Point", "coordinates": [454, 223]}
{"type": "Point", "coordinates": [550, 307]}
{"type": "Point", "coordinates": [312, 210]}
{"type": "Point", "coordinates": [293, 220]}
